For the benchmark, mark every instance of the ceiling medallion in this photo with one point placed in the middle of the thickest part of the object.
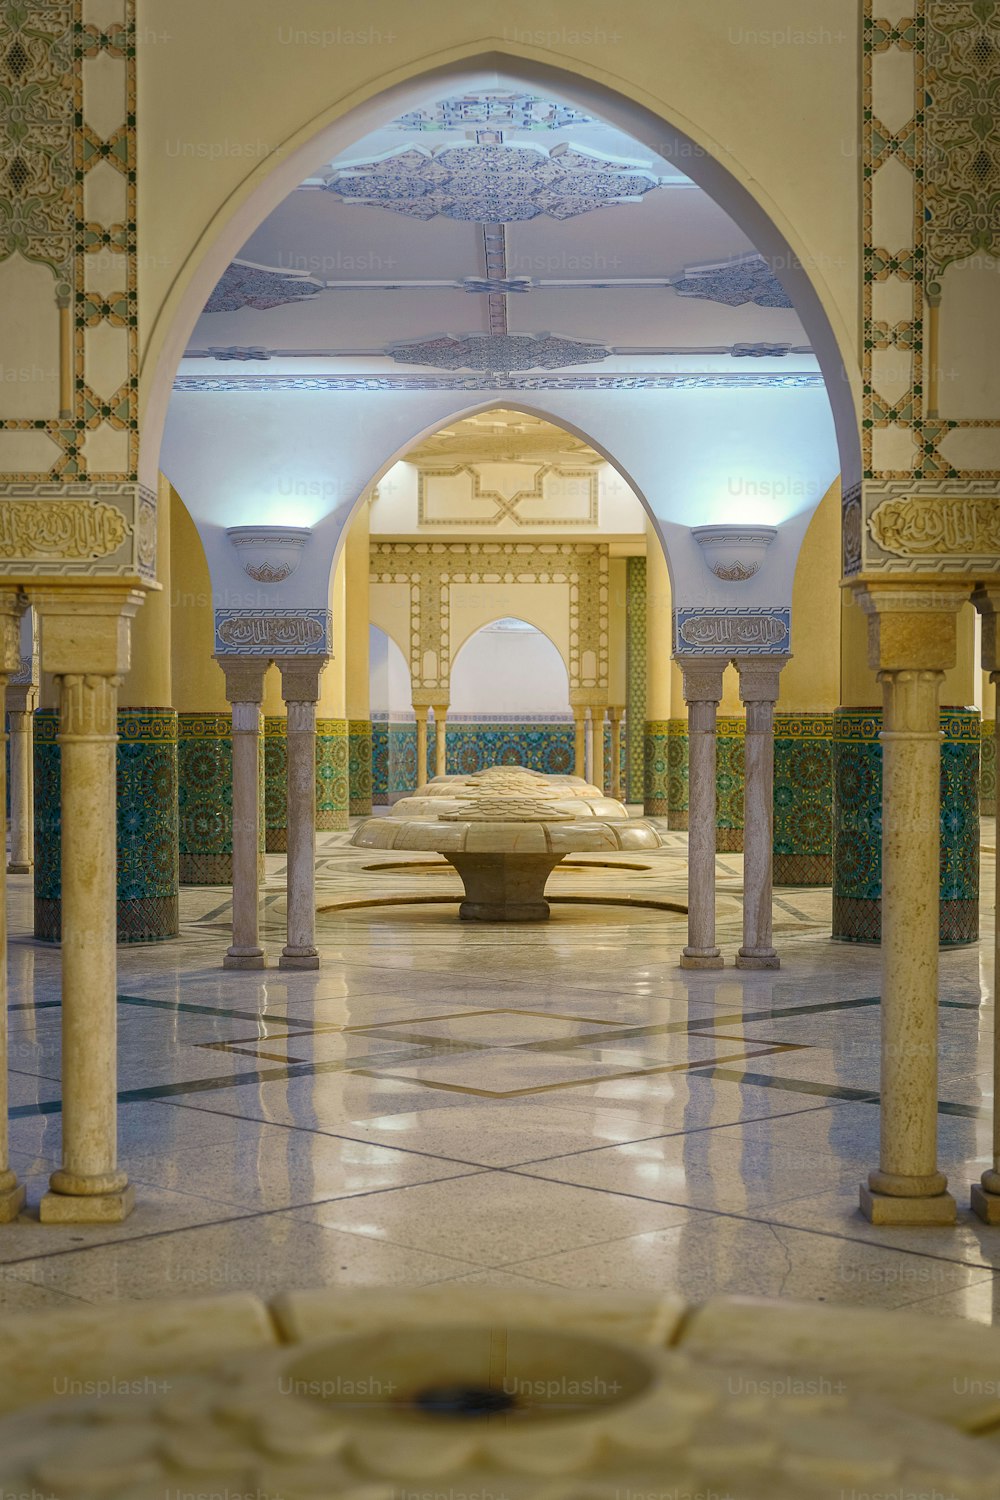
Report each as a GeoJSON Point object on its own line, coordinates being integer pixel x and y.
{"type": "Point", "coordinates": [734, 553]}
{"type": "Point", "coordinates": [497, 351]}
{"type": "Point", "coordinates": [492, 184]}
{"type": "Point", "coordinates": [269, 554]}
{"type": "Point", "coordinates": [254, 286]}
{"type": "Point", "coordinates": [748, 278]}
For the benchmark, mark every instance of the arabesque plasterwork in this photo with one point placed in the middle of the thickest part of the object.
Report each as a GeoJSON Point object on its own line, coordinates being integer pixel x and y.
{"type": "Point", "coordinates": [506, 506]}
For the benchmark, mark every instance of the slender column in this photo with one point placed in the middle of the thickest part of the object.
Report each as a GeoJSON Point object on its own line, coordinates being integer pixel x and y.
{"type": "Point", "coordinates": [986, 1192]}
{"type": "Point", "coordinates": [85, 644]}
{"type": "Point", "coordinates": [596, 733]}
{"type": "Point", "coordinates": [300, 689]}
{"type": "Point", "coordinates": [579, 741]}
{"type": "Point", "coordinates": [615, 779]}
{"type": "Point", "coordinates": [703, 694]}
{"type": "Point", "coordinates": [759, 691]}
{"type": "Point", "coordinates": [440, 742]}
{"type": "Point", "coordinates": [245, 691]}
{"type": "Point", "coordinates": [420, 712]}
{"type": "Point", "coordinates": [11, 1191]}
{"type": "Point", "coordinates": [21, 703]}
{"type": "Point", "coordinates": [911, 643]}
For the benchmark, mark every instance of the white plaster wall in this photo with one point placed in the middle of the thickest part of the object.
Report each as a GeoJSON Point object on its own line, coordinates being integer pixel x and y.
{"type": "Point", "coordinates": [509, 672]}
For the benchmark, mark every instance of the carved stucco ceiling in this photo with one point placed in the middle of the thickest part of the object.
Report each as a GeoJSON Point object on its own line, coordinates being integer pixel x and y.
{"type": "Point", "coordinates": [501, 232]}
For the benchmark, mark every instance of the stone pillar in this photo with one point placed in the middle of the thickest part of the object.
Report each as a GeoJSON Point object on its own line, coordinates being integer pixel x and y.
{"type": "Point", "coordinates": [703, 693]}
{"type": "Point", "coordinates": [912, 634]}
{"type": "Point", "coordinates": [85, 644]}
{"type": "Point", "coordinates": [759, 692]}
{"type": "Point", "coordinates": [245, 691]}
{"type": "Point", "coordinates": [579, 741]}
{"type": "Point", "coordinates": [986, 1192]}
{"type": "Point", "coordinates": [440, 741]}
{"type": "Point", "coordinates": [22, 700]}
{"type": "Point", "coordinates": [357, 669]}
{"type": "Point", "coordinates": [420, 714]}
{"type": "Point", "coordinates": [11, 1191]}
{"type": "Point", "coordinates": [300, 689]}
{"type": "Point", "coordinates": [595, 746]}
{"type": "Point", "coordinates": [615, 779]}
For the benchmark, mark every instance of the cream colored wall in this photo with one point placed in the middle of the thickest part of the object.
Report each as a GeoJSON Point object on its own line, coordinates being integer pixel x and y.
{"type": "Point", "coordinates": [333, 684]}
{"type": "Point", "coordinates": [389, 609]}
{"type": "Point", "coordinates": [810, 683]}
{"type": "Point", "coordinates": [660, 671]}
{"type": "Point", "coordinates": [544, 605]}
{"type": "Point", "coordinates": [727, 74]}
{"type": "Point", "coordinates": [198, 683]}
{"type": "Point", "coordinates": [29, 354]}
{"type": "Point", "coordinates": [356, 561]}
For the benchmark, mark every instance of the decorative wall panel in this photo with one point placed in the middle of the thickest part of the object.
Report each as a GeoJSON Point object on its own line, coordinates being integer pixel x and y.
{"type": "Point", "coordinates": [539, 746]}
{"type": "Point", "coordinates": [147, 826]}
{"type": "Point", "coordinates": [857, 866]}
{"type": "Point", "coordinates": [205, 798]}
{"type": "Point", "coordinates": [275, 784]}
{"type": "Point", "coordinates": [656, 794]}
{"type": "Point", "coordinates": [332, 774]}
{"type": "Point", "coordinates": [803, 799]}
{"type": "Point", "coordinates": [635, 678]}
{"type": "Point", "coordinates": [730, 773]}
{"type": "Point", "coordinates": [988, 770]}
{"type": "Point", "coordinates": [360, 766]}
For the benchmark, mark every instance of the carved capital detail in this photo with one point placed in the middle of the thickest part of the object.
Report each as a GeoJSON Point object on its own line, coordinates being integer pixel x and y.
{"type": "Point", "coordinates": [244, 679]}
{"type": "Point", "coordinates": [911, 626]}
{"type": "Point", "coordinates": [88, 707]}
{"type": "Point", "coordinates": [759, 678]}
{"type": "Point", "coordinates": [987, 601]}
{"type": "Point", "coordinates": [300, 679]}
{"type": "Point", "coordinates": [702, 680]}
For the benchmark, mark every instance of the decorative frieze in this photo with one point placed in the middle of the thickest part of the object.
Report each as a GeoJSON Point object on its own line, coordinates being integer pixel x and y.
{"type": "Point", "coordinates": [271, 632]}
{"type": "Point", "coordinates": [730, 632]}
{"type": "Point", "coordinates": [77, 530]}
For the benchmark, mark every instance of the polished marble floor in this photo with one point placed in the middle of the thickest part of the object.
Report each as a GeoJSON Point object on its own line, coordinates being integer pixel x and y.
{"type": "Point", "coordinates": [554, 1104]}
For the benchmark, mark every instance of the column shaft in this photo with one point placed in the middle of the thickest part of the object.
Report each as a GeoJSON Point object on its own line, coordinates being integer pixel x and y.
{"type": "Point", "coordinates": [597, 766]}
{"type": "Point", "coordinates": [88, 1186]}
{"type": "Point", "coordinates": [986, 1192]}
{"type": "Point", "coordinates": [440, 740]}
{"type": "Point", "coordinates": [11, 1192]}
{"type": "Point", "coordinates": [615, 779]}
{"type": "Point", "coordinates": [421, 716]}
{"type": "Point", "coordinates": [759, 692]}
{"type": "Point", "coordinates": [580, 742]}
{"type": "Point", "coordinates": [703, 693]}
{"type": "Point", "coordinates": [22, 832]}
{"type": "Point", "coordinates": [245, 951]}
{"type": "Point", "coordinates": [300, 950]}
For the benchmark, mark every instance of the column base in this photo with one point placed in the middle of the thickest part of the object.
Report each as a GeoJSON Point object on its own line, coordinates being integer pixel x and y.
{"type": "Point", "coordinates": [11, 1202]}
{"type": "Point", "coordinates": [99, 1208]}
{"type": "Point", "coordinates": [297, 959]}
{"type": "Point", "coordinates": [766, 959]}
{"type": "Point", "coordinates": [985, 1205]}
{"type": "Point", "coordinates": [19, 869]}
{"type": "Point", "coordinates": [245, 958]}
{"type": "Point", "coordinates": [884, 1208]}
{"type": "Point", "coordinates": [702, 958]}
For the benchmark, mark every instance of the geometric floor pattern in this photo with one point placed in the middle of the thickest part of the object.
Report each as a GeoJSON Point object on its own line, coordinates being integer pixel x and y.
{"type": "Point", "coordinates": [542, 1104]}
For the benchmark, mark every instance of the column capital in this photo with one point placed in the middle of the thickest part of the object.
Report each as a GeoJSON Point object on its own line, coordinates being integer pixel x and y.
{"type": "Point", "coordinates": [702, 678]}
{"type": "Point", "coordinates": [987, 600]}
{"type": "Point", "coordinates": [911, 624]}
{"type": "Point", "coordinates": [300, 677]}
{"type": "Point", "coordinates": [87, 629]}
{"type": "Point", "coordinates": [244, 677]}
{"type": "Point", "coordinates": [759, 677]}
{"type": "Point", "coordinates": [420, 711]}
{"type": "Point", "coordinates": [22, 698]}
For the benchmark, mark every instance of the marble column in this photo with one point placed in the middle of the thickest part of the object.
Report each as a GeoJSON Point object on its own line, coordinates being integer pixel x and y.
{"type": "Point", "coordinates": [986, 1192]}
{"type": "Point", "coordinates": [912, 639]}
{"type": "Point", "coordinates": [440, 739]}
{"type": "Point", "coordinates": [245, 691]}
{"type": "Point", "coordinates": [420, 714]}
{"type": "Point", "coordinates": [703, 694]}
{"type": "Point", "coordinates": [300, 689]}
{"type": "Point", "coordinates": [579, 741]}
{"type": "Point", "coordinates": [11, 1191]}
{"type": "Point", "coordinates": [595, 746]}
{"type": "Point", "coordinates": [759, 692]}
{"type": "Point", "coordinates": [86, 645]}
{"type": "Point", "coordinates": [22, 700]}
{"type": "Point", "coordinates": [615, 779]}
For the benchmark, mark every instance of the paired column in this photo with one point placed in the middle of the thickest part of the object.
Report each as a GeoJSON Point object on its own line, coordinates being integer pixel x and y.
{"type": "Point", "coordinates": [86, 645]}
{"type": "Point", "coordinates": [911, 643]}
{"type": "Point", "coordinates": [440, 740]}
{"type": "Point", "coordinates": [703, 694]}
{"type": "Point", "coordinates": [11, 1191]}
{"type": "Point", "coordinates": [615, 779]}
{"type": "Point", "coordinates": [245, 691]}
{"type": "Point", "coordinates": [986, 1192]}
{"type": "Point", "coordinates": [595, 746]}
{"type": "Point", "coordinates": [22, 700]}
{"type": "Point", "coordinates": [420, 713]}
{"type": "Point", "coordinates": [759, 692]}
{"type": "Point", "coordinates": [579, 741]}
{"type": "Point", "coordinates": [300, 690]}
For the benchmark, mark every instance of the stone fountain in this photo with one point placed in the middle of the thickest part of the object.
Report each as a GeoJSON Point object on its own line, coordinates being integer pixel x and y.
{"type": "Point", "coordinates": [504, 830]}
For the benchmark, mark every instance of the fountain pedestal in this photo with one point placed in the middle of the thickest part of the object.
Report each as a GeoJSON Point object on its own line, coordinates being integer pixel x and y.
{"type": "Point", "coordinates": [504, 887]}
